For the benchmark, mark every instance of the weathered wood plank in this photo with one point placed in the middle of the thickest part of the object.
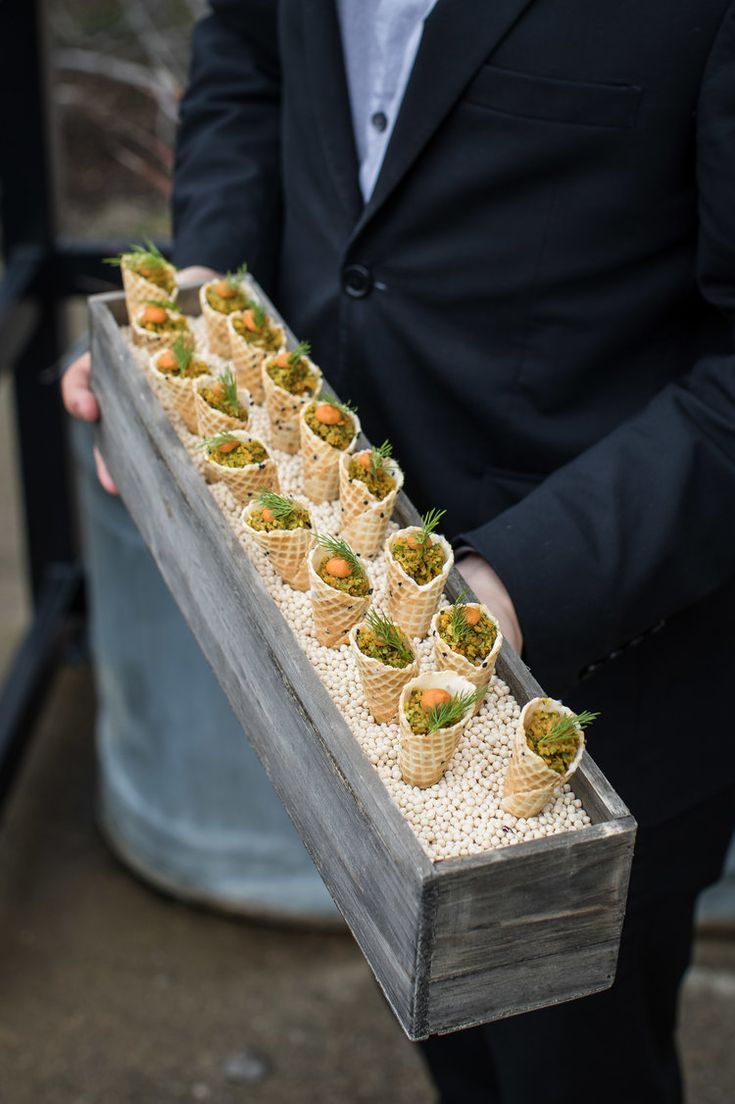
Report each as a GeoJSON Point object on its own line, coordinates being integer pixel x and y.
{"type": "Point", "coordinates": [364, 850]}
{"type": "Point", "coordinates": [469, 1000]}
{"type": "Point", "coordinates": [454, 943]}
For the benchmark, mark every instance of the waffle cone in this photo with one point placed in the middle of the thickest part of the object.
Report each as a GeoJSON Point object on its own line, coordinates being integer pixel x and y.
{"type": "Point", "coordinates": [381, 684]}
{"type": "Point", "coordinates": [334, 611]}
{"type": "Point", "coordinates": [283, 411]}
{"type": "Point", "coordinates": [244, 483]}
{"type": "Point", "coordinates": [156, 342]}
{"type": "Point", "coordinates": [446, 659]}
{"type": "Point", "coordinates": [215, 322]}
{"type": "Point", "coordinates": [138, 291]}
{"type": "Point", "coordinates": [321, 461]}
{"type": "Point", "coordinates": [424, 759]}
{"type": "Point", "coordinates": [529, 783]}
{"type": "Point", "coordinates": [248, 360]}
{"type": "Point", "coordinates": [176, 394]}
{"type": "Point", "coordinates": [412, 606]}
{"type": "Point", "coordinates": [287, 549]}
{"type": "Point", "coordinates": [365, 518]}
{"type": "Point", "coordinates": [210, 422]}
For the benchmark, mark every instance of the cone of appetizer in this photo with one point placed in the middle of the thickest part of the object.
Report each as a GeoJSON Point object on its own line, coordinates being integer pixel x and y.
{"type": "Point", "coordinates": [369, 483]}
{"type": "Point", "coordinates": [146, 274]}
{"type": "Point", "coordinates": [282, 528]}
{"type": "Point", "coordinates": [219, 299]}
{"type": "Point", "coordinates": [385, 663]}
{"type": "Point", "coordinates": [253, 339]}
{"type": "Point", "coordinates": [220, 404]}
{"type": "Point", "coordinates": [467, 639]}
{"type": "Point", "coordinates": [329, 430]}
{"type": "Point", "coordinates": [158, 324]}
{"type": "Point", "coordinates": [340, 590]}
{"type": "Point", "coordinates": [173, 372]}
{"type": "Point", "coordinates": [290, 380]}
{"type": "Point", "coordinates": [547, 749]}
{"type": "Point", "coordinates": [433, 711]}
{"type": "Point", "coordinates": [417, 563]}
{"type": "Point", "coordinates": [242, 463]}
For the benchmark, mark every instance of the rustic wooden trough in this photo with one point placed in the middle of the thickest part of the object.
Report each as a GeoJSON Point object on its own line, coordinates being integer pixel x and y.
{"type": "Point", "coordinates": [453, 943]}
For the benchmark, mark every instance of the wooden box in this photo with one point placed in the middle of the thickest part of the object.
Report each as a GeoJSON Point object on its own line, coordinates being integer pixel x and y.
{"type": "Point", "coordinates": [453, 943]}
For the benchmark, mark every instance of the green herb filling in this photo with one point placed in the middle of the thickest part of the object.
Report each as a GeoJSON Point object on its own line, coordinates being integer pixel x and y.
{"type": "Point", "coordinates": [357, 584]}
{"type": "Point", "coordinates": [267, 337]}
{"type": "Point", "coordinates": [297, 379]}
{"type": "Point", "coordinates": [217, 398]}
{"type": "Point", "coordinates": [339, 436]}
{"type": "Point", "coordinates": [474, 642]}
{"type": "Point", "coordinates": [421, 563]}
{"type": "Point", "coordinates": [194, 368]}
{"type": "Point", "coordinates": [226, 305]}
{"type": "Point", "coordinates": [376, 648]}
{"type": "Point", "coordinates": [377, 481]}
{"type": "Point", "coordinates": [420, 719]}
{"type": "Point", "coordinates": [298, 518]}
{"type": "Point", "coordinates": [175, 323]}
{"type": "Point", "coordinates": [246, 452]}
{"type": "Point", "coordinates": [557, 754]}
{"type": "Point", "coordinates": [159, 273]}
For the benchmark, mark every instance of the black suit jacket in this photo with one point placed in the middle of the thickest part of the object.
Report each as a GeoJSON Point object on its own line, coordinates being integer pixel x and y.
{"type": "Point", "coordinates": [535, 306]}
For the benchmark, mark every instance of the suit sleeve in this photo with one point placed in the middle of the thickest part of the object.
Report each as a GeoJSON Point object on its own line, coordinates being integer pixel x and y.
{"type": "Point", "coordinates": [226, 193]}
{"type": "Point", "coordinates": [641, 525]}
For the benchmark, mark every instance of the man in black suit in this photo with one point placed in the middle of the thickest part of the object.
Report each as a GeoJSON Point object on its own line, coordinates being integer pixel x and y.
{"type": "Point", "coordinates": [534, 302]}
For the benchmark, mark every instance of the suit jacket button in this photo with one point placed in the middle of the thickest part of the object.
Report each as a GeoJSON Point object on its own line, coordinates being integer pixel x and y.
{"type": "Point", "coordinates": [357, 281]}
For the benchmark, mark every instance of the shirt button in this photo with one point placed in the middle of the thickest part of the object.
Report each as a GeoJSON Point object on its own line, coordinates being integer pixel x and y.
{"type": "Point", "coordinates": [379, 120]}
{"type": "Point", "coordinates": [357, 281]}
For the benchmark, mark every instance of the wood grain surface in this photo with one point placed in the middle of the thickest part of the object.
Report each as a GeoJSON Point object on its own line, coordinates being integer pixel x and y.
{"type": "Point", "coordinates": [454, 943]}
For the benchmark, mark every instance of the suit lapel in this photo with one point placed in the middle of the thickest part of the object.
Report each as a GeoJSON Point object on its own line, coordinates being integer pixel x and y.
{"type": "Point", "coordinates": [323, 44]}
{"type": "Point", "coordinates": [458, 37]}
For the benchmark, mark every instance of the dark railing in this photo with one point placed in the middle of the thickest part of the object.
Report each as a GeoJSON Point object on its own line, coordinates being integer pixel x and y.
{"type": "Point", "coordinates": [39, 273]}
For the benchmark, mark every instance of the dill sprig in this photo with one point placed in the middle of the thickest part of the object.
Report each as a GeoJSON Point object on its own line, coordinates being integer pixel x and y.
{"type": "Point", "coordinates": [149, 252]}
{"type": "Point", "coordinates": [458, 626]}
{"type": "Point", "coordinates": [328, 397]}
{"type": "Point", "coordinates": [183, 354]}
{"type": "Point", "coordinates": [258, 314]}
{"type": "Point", "coordinates": [429, 522]}
{"type": "Point", "coordinates": [218, 439]}
{"type": "Point", "coordinates": [452, 711]}
{"type": "Point", "coordinates": [229, 386]}
{"type": "Point", "coordinates": [566, 727]}
{"type": "Point", "coordinates": [235, 279]}
{"type": "Point", "coordinates": [386, 632]}
{"type": "Point", "coordinates": [340, 548]}
{"type": "Point", "coordinates": [280, 507]}
{"type": "Point", "coordinates": [167, 304]}
{"type": "Point", "coordinates": [379, 454]}
{"type": "Point", "coordinates": [296, 354]}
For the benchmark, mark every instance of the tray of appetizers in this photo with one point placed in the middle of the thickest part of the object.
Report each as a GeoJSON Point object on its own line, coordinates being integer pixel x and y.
{"type": "Point", "coordinates": [477, 853]}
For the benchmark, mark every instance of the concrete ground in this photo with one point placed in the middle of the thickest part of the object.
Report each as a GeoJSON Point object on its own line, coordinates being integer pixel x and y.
{"type": "Point", "coordinates": [113, 994]}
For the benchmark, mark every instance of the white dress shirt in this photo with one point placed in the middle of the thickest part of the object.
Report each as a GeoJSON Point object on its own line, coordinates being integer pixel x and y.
{"type": "Point", "coordinates": [380, 39]}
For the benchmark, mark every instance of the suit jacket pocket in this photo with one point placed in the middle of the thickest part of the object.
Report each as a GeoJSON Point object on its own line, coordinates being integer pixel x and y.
{"type": "Point", "coordinates": [585, 103]}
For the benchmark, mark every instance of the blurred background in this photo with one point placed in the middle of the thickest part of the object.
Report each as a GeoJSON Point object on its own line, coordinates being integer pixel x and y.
{"type": "Point", "coordinates": [112, 992]}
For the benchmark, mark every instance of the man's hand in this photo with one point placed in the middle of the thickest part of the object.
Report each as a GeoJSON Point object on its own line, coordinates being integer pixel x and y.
{"type": "Point", "coordinates": [490, 590]}
{"type": "Point", "coordinates": [80, 402]}
{"type": "Point", "coordinates": [76, 390]}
